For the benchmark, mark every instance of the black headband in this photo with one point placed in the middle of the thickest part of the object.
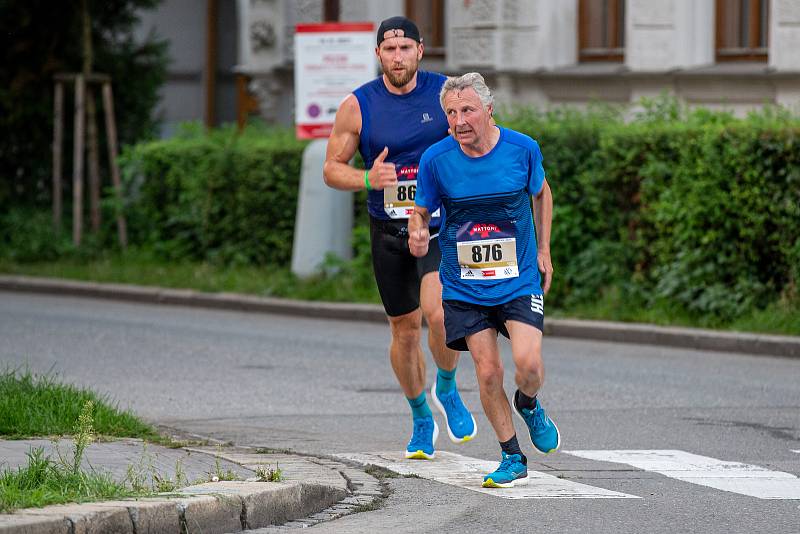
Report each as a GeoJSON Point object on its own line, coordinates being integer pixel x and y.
{"type": "Point", "coordinates": [410, 29]}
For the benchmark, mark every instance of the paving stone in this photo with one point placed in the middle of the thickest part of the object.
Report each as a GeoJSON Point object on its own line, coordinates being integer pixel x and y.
{"type": "Point", "coordinates": [154, 516]}
{"type": "Point", "coordinates": [204, 513]}
{"type": "Point", "coordinates": [88, 518]}
{"type": "Point", "coordinates": [26, 524]}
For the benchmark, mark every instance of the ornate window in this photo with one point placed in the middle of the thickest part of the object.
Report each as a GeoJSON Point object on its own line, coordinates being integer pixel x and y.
{"type": "Point", "coordinates": [601, 30]}
{"type": "Point", "coordinates": [428, 15]}
{"type": "Point", "coordinates": [742, 30]}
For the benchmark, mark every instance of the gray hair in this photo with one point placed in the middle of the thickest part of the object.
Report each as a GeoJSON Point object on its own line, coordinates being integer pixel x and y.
{"type": "Point", "coordinates": [470, 79]}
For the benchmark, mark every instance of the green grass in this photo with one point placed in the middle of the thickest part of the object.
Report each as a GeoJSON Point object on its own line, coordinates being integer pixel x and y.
{"type": "Point", "coordinates": [336, 285]}
{"type": "Point", "coordinates": [39, 405]}
{"type": "Point", "coordinates": [781, 318]}
{"type": "Point", "coordinates": [346, 283]}
{"type": "Point", "coordinates": [43, 481]}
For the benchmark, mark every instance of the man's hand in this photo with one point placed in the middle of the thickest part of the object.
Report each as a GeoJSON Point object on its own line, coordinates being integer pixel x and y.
{"type": "Point", "coordinates": [418, 241]}
{"type": "Point", "coordinates": [546, 268]}
{"type": "Point", "coordinates": [418, 233]}
{"type": "Point", "coordinates": [382, 174]}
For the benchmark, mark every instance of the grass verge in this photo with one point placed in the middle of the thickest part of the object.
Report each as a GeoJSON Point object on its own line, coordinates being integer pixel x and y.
{"type": "Point", "coordinates": [39, 405]}
{"type": "Point", "coordinates": [336, 284]}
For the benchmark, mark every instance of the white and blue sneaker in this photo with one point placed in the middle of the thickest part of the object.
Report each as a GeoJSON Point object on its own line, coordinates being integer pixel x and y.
{"type": "Point", "coordinates": [543, 432]}
{"type": "Point", "coordinates": [461, 426]}
{"type": "Point", "coordinates": [421, 446]}
{"type": "Point", "coordinates": [512, 472]}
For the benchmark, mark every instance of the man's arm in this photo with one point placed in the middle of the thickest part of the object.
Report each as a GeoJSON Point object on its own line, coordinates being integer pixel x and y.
{"type": "Point", "coordinates": [543, 218]}
{"type": "Point", "coordinates": [342, 146]}
{"type": "Point", "coordinates": [419, 235]}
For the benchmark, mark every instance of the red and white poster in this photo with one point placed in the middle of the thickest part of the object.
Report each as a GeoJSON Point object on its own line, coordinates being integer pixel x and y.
{"type": "Point", "coordinates": [330, 60]}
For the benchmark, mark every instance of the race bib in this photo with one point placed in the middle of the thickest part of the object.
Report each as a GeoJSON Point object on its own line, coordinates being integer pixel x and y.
{"type": "Point", "coordinates": [398, 201]}
{"type": "Point", "coordinates": [487, 251]}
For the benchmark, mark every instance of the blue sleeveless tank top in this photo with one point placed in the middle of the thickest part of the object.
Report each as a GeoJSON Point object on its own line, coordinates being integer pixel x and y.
{"type": "Point", "coordinates": [407, 124]}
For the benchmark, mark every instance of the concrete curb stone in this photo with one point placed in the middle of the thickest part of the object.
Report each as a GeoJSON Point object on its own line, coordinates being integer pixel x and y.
{"type": "Point", "coordinates": [314, 491]}
{"type": "Point", "coordinates": [690, 338]}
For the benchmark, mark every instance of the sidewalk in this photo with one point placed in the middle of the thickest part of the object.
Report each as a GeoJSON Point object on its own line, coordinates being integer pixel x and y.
{"type": "Point", "coordinates": [311, 490]}
{"type": "Point", "coordinates": [691, 338]}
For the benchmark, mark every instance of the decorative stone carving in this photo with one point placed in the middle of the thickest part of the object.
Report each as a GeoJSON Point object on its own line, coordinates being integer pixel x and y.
{"type": "Point", "coordinates": [262, 35]}
{"type": "Point", "coordinates": [518, 13]}
{"type": "Point", "coordinates": [473, 47]}
{"type": "Point", "coordinates": [268, 92]}
{"type": "Point", "coordinates": [474, 13]}
{"type": "Point", "coordinates": [261, 39]}
{"type": "Point", "coordinates": [305, 11]}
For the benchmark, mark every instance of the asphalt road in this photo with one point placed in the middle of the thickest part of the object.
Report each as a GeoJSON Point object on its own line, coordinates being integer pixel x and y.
{"type": "Point", "coordinates": [326, 387]}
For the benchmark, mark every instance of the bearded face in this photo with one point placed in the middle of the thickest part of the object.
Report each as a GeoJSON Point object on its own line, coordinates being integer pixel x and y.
{"type": "Point", "coordinates": [399, 57]}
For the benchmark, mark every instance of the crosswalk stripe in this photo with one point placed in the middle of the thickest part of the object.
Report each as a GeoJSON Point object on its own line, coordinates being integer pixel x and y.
{"type": "Point", "coordinates": [735, 477]}
{"type": "Point", "coordinates": [465, 472]}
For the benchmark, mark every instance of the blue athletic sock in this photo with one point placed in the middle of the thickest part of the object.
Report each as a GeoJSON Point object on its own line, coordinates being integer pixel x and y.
{"type": "Point", "coordinates": [445, 381]}
{"type": "Point", "coordinates": [419, 406]}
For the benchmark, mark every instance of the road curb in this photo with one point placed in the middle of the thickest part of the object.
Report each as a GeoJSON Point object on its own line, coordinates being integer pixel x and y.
{"type": "Point", "coordinates": [332, 489]}
{"type": "Point", "coordinates": [690, 338]}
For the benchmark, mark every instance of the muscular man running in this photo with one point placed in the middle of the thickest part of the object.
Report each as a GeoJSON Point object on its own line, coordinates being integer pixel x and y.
{"type": "Point", "coordinates": [391, 121]}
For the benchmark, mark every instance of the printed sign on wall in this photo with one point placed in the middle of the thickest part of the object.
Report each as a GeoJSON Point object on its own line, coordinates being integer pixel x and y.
{"type": "Point", "coordinates": [331, 60]}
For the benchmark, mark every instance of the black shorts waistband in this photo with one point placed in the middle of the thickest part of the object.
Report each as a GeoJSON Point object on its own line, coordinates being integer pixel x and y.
{"type": "Point", "coordinates": [394, 227]}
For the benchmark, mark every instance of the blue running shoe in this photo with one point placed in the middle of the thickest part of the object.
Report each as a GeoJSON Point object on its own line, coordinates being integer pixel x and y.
{"type": "Point", "coordinates": [544, 433]}
{"type": "Point", "coordinates": [423, 439]}
{"type": "Point", "coordinates": [512, 472]}
{"type": "Point", "coordinates": [461, 426]}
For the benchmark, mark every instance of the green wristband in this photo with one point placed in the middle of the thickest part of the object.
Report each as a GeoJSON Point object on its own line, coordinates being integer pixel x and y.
{"type": "Point", "coordinates": [366, 180]}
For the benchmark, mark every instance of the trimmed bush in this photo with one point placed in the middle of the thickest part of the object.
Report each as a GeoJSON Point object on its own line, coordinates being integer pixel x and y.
{"type": "Point", "coordinates": [222, 197]}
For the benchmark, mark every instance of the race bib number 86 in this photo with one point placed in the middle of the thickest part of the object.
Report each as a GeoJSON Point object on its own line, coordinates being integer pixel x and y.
{"type": "Point", "coordinates": [398, 201]}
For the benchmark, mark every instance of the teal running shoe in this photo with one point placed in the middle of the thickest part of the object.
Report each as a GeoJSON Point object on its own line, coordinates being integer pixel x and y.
{"type": "Point", "coordinates": [461, 426]}
{"type": "Point", "coordinates": [544, 433]}
{"type": "Point", "coordinates": [512, 472]}
{"type": "Point", "coordinates": [423, 439]}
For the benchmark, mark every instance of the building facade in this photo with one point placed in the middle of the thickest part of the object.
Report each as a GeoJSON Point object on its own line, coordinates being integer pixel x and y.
{"type": "Point", "coordinates": [734, 54]}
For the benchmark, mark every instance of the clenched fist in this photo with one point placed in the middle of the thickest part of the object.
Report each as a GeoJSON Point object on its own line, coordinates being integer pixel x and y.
{"type": "Point", "coordinates": [418, 241]}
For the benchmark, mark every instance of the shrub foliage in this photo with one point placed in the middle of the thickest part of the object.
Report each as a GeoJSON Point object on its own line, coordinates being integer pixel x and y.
{"type": "Point", "coordinates": [222, 197]}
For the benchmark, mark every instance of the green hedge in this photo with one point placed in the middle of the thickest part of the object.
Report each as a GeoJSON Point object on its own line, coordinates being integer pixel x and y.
{"type": "Point", "coordinates": [223, 197]}
{"type": "Point", "coordinates": [696, 211]}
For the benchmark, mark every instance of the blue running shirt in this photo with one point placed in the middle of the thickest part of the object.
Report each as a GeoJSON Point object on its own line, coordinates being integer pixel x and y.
{"type": "Point", "coordinates": [407, 124]}
{"type": "Point", "coordinates": [487, 238]}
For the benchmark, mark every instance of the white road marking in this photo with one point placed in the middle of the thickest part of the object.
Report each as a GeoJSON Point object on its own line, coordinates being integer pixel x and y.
{"type": "Point", "coordinates": [793, 450]}
{"type": "Point", "coordinates": [735, 477]}
{"type": "Point", "coordinates": [465, 472]}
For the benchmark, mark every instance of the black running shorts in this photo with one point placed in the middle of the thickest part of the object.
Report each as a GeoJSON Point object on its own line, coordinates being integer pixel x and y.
{"type": "Point", "coordinates": [397, 272]}
{"type": "Point", "coordinates": [462, 319]}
